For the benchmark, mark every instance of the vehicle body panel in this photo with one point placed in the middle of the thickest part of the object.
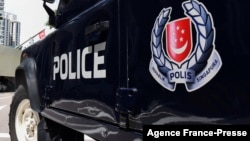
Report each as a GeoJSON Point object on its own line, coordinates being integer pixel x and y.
{"type": "Point", "coordinates": [129, 96]}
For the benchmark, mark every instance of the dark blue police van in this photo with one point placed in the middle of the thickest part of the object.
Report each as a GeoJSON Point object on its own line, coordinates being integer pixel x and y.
{"type": "Point", "coordinates": [113, 66]}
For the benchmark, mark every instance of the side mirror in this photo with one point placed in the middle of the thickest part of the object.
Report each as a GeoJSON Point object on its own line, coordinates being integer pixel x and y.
{"type": "Point", "coordinates": [49, 1]}
{"type": "Point", "coordinates": [51, 13]}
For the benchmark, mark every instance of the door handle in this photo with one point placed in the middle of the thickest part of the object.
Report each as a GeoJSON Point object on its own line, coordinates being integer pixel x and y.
{"type": "Point", "coordinates": [99, 26]}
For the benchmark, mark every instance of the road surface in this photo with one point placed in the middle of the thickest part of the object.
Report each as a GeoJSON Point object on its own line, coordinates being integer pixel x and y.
{"type": "Point", "coordinates": [5, 100]}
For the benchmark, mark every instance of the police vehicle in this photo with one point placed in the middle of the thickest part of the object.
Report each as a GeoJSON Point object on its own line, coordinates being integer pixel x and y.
{"type": "Point", "coordinates": [113, 66]}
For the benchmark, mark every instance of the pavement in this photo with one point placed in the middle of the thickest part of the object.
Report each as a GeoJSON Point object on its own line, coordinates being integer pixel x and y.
{"type": "Point", "coordinates": [5, 100]}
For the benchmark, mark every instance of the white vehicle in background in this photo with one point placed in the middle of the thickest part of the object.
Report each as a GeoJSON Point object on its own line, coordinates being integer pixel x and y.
{"type": "Point", "coordinates": [9, 60]}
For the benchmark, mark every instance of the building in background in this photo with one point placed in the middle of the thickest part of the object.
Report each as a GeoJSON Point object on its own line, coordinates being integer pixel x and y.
{"type": "Point", "coordinates": [1, 8]}
{"type": "Point", "coordinates": [9, 30]}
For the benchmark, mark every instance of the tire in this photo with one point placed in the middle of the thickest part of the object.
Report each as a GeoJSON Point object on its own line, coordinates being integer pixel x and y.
{"type": "Point", "coordinates": [23, 121]}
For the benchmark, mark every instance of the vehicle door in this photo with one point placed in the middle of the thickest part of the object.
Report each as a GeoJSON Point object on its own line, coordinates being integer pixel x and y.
{"type": "Point", "coordinates": [86, 63]}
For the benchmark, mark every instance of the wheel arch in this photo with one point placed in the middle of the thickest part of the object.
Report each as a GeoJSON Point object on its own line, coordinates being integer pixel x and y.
{"type": "Point", "coordinates": [26, 75]}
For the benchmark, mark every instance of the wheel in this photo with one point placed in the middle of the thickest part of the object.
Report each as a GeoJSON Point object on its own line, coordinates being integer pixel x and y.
{"type": "Point", "coordinates": [23, 121]}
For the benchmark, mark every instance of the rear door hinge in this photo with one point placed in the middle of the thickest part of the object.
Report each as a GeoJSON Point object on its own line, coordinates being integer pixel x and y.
{"type": "Point", "coordinates": [125, 100]}
{"type": "Point", "coordinates": [125, 104]}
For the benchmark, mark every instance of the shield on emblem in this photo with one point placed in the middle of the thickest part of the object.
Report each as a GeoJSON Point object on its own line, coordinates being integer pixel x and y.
{"type": "Point", "coordinates": [179, 39]}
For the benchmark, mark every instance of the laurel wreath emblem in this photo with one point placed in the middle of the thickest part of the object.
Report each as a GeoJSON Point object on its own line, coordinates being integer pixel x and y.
{"type": "Point", "coordinates": [201, 18]}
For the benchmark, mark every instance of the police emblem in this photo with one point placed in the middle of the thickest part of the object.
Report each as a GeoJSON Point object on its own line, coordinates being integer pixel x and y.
{"type": "Point", "coordinates": [182, 61]}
